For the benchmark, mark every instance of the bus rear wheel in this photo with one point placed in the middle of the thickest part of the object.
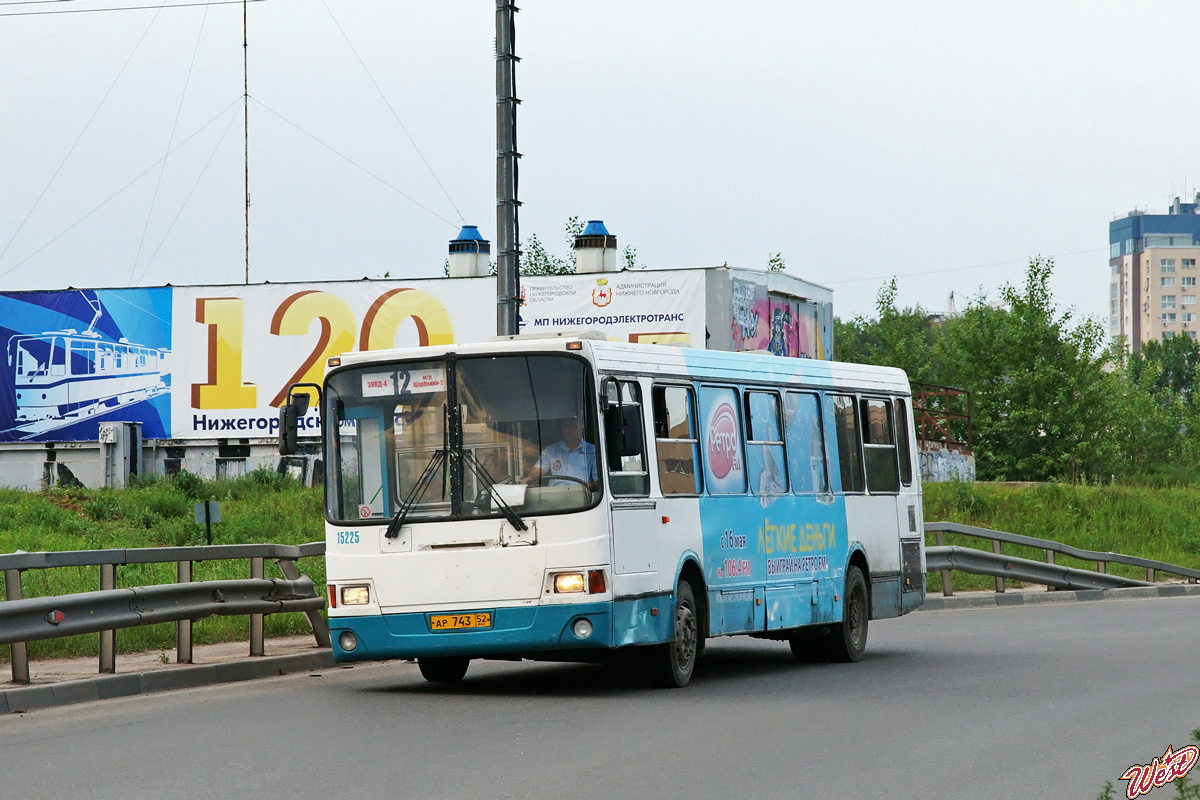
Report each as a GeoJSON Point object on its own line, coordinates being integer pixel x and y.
{"type": "Point", "coordinates": [672, 663]}
{"type": "Point", "coordinates": [443, 669]}
{"type": "Point", "coordinates": [848, 639]}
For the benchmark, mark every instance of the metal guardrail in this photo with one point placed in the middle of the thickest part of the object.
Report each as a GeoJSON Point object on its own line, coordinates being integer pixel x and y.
{"type": "Point", "coordinates": [91, 612]}
{"type": "Point", "coordinates": [980, 562]}
{"type": "Point", "coordinates": [23, 620]}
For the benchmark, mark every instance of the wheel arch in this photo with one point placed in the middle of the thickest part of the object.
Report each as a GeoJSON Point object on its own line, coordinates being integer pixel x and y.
{"type": "Point", "coordinates": [690, 570]}
{"type": "Point", "coordinates": [858, 558]}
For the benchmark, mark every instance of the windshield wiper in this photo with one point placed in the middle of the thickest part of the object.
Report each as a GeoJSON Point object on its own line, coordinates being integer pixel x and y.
{"type": "Point", "coordinates": [416, 492]}
{"type": "Point", "coordinates": [436, 462]}
{"type": "Point", "coordinates": [484, 477]}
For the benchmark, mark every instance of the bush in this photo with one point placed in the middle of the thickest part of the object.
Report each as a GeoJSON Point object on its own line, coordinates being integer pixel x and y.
{"type": "Point", "coordinates": [168, 504]}
{"type": "Point", "coordinates": [103, 507]}
{"type": "Point", "coordinates": [192, 486]}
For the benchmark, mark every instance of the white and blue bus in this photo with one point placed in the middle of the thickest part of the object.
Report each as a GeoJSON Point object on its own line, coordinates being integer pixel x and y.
{"type": "Point", "coordinates": [569, 498]}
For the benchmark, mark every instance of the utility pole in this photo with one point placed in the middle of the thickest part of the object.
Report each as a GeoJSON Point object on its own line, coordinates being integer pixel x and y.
{"type": "Point", "coordinates": [246, 137]}
{"type": "Point", "coordinates": [508, 281]}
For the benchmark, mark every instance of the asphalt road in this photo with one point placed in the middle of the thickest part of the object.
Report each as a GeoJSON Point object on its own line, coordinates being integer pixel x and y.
{"type": "Point", "coordinates": [1043, 701]}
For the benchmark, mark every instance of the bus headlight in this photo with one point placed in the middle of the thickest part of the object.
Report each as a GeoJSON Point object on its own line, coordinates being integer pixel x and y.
{"type": "Point", "coordinates": [356, 595]}
{"type": "Point", "coordinates": [568, 582]}
{"type": "Point", "coordinates": [582, 628]}
{"type": "Point", "coordinates": [347, 641]}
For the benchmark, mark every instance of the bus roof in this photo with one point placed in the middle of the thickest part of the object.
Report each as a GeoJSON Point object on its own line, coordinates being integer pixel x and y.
{"type": "Point", "coordinates": [674, 362]}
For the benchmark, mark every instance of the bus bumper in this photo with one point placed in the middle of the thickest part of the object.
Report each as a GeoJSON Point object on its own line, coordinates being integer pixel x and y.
{"type": "Point", "coordinates": [514, 630]}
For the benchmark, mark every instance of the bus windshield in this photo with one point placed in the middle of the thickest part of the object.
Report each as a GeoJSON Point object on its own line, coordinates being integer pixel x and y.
{"type": "Point", "coordinates": [454, 439]}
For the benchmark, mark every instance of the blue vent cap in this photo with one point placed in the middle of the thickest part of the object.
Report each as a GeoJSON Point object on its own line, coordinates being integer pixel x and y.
{"type": "Point", "coordinates": [595, 227]}
{"type": "Point", "coordinates": [469, 233]}
{"type": "Point", "coordinates": [469, 241]}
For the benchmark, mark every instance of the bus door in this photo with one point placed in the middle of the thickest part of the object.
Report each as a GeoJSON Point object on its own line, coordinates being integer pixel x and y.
{"type": "Point", "coordinates": [731, 518]}
{"type": "Point", "coordinates": [635, 515]}
{"type": "Point", "coordinates": [783, 540]}
{"type": "Point", "coordinates": [912, 578]}
{"type": "Point", "coordinates": [677, 466]}
{"type": "Point", "coordinates": [819, 517]}
{"type": "Point", "coordinates": [884, 509]}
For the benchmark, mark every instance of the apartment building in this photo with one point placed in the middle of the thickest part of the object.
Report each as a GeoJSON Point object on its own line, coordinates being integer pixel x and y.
{"type": "Point", "coordinates": [1153, 287]}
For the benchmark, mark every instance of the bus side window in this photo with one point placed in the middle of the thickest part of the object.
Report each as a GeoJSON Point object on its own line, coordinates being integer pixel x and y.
{"type": "Point", "coordinates": [627, 473]}
{"type": "Point", "coordinates": [676, 439]}
{"type": "Point", "coordinates": [902, 441]}
{"type": "Point", "coordinates": [724, 462]}
{"type": "Point", "coordinates": [806, 442]}
{"type": "Point", "coordinates": [879, 447]}
{"type": "Point", "coordinates": [845, 418]}
{"type": "Point", "coordinates": [764, 441]}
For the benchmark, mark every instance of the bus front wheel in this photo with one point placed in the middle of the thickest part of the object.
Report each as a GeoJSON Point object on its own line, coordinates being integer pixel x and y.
{"type": "Point", "coordinates": [848, 639]}
{"type": "Point", "coordinates": [443, 669]}
{"type": "Point", "coordinates": [672, 663]}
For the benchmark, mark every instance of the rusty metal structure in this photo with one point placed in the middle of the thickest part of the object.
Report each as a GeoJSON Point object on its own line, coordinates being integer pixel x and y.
{"type": "Point", "coordinates": [943, 417]}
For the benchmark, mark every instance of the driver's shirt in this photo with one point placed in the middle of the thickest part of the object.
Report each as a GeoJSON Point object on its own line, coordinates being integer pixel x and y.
{"type": "Point", "coordinates": [578, 463]}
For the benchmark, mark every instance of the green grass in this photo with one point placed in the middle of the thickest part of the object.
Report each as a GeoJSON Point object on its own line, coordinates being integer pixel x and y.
{"type": "Point", "coordinates": [1155, 523]}
{"type": "Point", "coordinates": [260, 507]}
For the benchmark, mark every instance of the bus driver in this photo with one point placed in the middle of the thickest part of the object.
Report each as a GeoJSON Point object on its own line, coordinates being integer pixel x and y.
{"type": "Point", "coordinates": [572, 457]}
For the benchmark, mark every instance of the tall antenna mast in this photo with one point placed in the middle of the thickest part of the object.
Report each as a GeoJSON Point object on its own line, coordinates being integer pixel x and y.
{"type": "Point", "coordinates": [508, 281]}
{"type": "Point", "coordinates": [246, 136]}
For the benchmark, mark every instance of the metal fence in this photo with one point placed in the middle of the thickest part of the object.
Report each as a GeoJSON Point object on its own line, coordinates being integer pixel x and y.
{"type": "Point", "coordinates": [1057, 576]}
{"type": "Point", "coordinates": [108, 609]}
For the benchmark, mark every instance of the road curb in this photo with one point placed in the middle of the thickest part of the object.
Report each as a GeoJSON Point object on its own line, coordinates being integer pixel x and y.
{"type": "Point", "coordinates": [995, 599]}
{"type": "Point", "coordinates": [103, 687]}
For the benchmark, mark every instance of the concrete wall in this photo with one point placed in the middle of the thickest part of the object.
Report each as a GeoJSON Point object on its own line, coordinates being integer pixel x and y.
{"type": "Point", "coordinates": [34, 467]}
{"type": "Point", "coordinates": [939, 465]}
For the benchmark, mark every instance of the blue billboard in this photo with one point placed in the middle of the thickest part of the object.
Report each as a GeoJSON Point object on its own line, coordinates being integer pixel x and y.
{"type": "Point", "coordinates": [76, 358]}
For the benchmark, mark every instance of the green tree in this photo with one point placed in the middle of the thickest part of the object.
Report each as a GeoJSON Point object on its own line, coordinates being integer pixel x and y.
{"type": "Point", "coordinates": [1158, 414]}
{"type": "Point", "coordinates": [1046, 403]}
{"type": "Point", "coordinates": [537, 260]}
{"type": "Point", "coordinates": [1043, 400]}
{"type": "Point", "coordinates": [629, 256]}
{"type": "Point", "coordinates": [1174, 360]}
{"type": "Point", "coordinates": [897, 338]}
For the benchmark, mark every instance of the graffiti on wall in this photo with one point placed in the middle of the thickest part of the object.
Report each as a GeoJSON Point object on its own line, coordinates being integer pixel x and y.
{"type": "Point", "coordinates": [783, 326]}
{"type": "Point", "coordinates": [941, 465]}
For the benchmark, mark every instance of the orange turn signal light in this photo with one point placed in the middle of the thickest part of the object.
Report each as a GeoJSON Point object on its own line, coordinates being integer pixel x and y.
{"type": "Point", "coordinates": [596, 582]}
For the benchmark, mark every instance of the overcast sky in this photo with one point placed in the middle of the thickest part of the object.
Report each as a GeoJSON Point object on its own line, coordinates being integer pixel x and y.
{"type": "Point", "coordinates": [943, 143]}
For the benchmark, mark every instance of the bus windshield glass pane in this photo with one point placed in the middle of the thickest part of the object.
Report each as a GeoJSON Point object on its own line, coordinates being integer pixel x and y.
{"type": "Point", "coordinates": [524, 433]}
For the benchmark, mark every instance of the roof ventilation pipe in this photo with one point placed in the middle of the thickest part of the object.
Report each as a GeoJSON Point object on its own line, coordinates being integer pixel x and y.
{"type": "Point", "coordinates": [470, 254]}
{"type": "Point", "coordinates": [595, 249]}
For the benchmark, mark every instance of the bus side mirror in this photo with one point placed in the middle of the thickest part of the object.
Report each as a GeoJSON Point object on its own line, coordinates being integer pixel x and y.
{"type": "Point", "coordinates": [290, 414]}
{"type": "Point", "coordinates": [610, 393]}
{"type": "Point", "coordinates": [623, 429]}
{"type": "Point", "coordinates": [289, 424]}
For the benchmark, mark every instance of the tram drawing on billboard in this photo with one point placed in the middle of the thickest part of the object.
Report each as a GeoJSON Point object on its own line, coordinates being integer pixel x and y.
{"type": "Point", "coordinates": [61, 377]}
